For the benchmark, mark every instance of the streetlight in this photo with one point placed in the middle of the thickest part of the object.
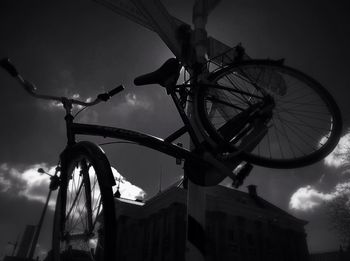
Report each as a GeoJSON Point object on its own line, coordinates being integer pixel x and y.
{"type": "Point", "coordinates": [53, 186]}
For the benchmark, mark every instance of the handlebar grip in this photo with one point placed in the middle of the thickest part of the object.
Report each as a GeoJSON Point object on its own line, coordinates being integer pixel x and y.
{"type": "Point", "coordinates": [106, 96]}
{"type": "Point", "coordinates": [116, 90]}
{"type": "Point", "coordinates": [9, 67]}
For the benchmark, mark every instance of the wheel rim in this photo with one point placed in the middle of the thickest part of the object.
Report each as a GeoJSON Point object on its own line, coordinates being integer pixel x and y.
{"type": "Point", "coordinates": [306, 122]}
{"type": "Point", "coordinates": [83, 212]}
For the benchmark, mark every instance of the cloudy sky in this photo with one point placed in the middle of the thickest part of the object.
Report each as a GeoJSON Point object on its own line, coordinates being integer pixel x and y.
{"type": "Point", "coordinates": [81, 48]}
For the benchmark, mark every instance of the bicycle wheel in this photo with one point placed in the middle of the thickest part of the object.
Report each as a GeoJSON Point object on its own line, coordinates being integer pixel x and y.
{"type": "Point", "coordinates": [84, 222]}
{"type": "Point", "coordinates": [305, 123]}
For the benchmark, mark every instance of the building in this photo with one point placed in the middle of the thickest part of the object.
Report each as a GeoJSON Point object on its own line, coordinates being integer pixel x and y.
{"type": "Point", "coordinates": [24, 246]}
{"type": "Point", "coordinates": [239, 226]}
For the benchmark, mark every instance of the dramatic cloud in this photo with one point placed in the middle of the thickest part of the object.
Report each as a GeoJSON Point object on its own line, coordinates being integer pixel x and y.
{"type": "Point", "coordinates": [308, 198]}
{"type": "Point", "coordinates": [126, 189]}
{"type": "Point", "coordinates": [27, 182]}
{"type": "Point", "coordinates": [340, 156]}
{"type": "Point", "coordinates": [4, 184]}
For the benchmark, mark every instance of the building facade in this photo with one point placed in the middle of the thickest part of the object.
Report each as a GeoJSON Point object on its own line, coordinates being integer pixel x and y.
{"type": "Point", "coordinates": [239, 226]}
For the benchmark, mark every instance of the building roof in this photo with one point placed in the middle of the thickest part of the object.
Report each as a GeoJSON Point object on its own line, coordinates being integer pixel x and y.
{"type": "Point", "coordinates": [219, 198]}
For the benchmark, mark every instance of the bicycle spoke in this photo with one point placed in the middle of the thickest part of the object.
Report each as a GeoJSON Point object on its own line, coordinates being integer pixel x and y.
{"type": "Point", "coordinates": [77, 214]}
{"type": "Point", "coordinates": [75, 199]}
{"type": "Point", "coordinates": [278, 139]}
{"type": "Point", "coordinates": [213, 99]}
{"type": "Point", "coordinates": [302, 115]}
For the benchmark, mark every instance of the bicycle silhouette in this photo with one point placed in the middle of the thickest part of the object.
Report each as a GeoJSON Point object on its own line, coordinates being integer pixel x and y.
{"type": "Point", "coordinates": [256, 111]}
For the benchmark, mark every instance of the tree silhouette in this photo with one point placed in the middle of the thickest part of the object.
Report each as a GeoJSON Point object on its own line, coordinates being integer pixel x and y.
{"type": "Point", "coordinates": [339, 217]}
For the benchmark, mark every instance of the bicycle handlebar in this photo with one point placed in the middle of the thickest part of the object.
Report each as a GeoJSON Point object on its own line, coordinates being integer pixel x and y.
{"type": "Point", "coordinates": [31, 88]}
{"type": "Point", "coordinates": [9, 67]}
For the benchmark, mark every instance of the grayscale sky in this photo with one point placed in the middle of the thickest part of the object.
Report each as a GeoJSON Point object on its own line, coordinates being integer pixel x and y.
{"type": "Point", "coordinates": [79, 47]}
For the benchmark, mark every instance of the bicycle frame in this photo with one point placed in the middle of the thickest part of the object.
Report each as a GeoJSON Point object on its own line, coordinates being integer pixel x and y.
{"type": "Point", "coordinates": [199, 159]}
{"type": "Point", "coordinates": [162, 145]}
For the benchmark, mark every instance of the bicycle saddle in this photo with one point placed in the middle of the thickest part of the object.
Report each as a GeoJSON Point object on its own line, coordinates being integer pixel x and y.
{"type": "Point", "coordinates": [166, 75]}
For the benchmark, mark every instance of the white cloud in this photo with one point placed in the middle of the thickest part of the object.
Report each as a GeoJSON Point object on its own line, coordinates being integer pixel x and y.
{"type": "Point", "coordinates": [307, 198]}
{"type": "Point", "coordinates": [30, 184]}
{"type": "Point", "coordinates": [4, 184]}
{"type": "Point", "coordinates": [37, 185]}
{"type": "Point", "coordinates": [4, 166]}
{"type": "Point", "coordinates": [340, 156]}
{"type": "Point", "coordinates": [132, 103]}
{"type": "Point", "coordinates": [127, 190]}
{"type": "Point", "coordinates": [52, 105]}
{"type": "Point", "coordinates": [26, 182]}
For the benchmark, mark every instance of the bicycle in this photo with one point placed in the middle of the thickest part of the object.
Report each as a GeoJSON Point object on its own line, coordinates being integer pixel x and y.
{"type": "Point", "coordinates": [245, 111]}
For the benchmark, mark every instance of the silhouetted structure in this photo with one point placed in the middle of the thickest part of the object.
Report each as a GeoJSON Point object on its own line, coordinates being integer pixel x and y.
{"type": "Point", "coordinates": [239, 226]}
{"type": "Point", "coordinates": [24, 246]}
{"type": "Point", "coordinates": [339, 255]}
{"type": "Point", "coordinates": [26, 241]}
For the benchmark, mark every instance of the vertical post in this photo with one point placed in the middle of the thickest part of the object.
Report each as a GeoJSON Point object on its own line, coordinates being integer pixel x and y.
{"type": "Point", "coordinates": [199, 20]}
{"type": "Point", "coordinates": [14, 248]}
{"type": "Point", "coordinates": [196, 208]}
{"type": "Point", "coordinates": [38, 228]}
{"type": "Point", "coordinates": [196, 196]}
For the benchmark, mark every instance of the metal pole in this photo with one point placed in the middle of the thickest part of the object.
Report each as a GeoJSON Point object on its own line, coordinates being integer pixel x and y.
{"type": "Point", "coordinates": [37, 232]}
{"type": "Point", "coordinates": [196, 196]}
{"type": "Point", "coordinates": [14, 245]}
{"type": "Point", "coordinates": [14, 248]}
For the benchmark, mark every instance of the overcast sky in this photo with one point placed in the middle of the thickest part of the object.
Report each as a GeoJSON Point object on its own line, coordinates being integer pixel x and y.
{"type": "Point", "coordinates": [81, 48]}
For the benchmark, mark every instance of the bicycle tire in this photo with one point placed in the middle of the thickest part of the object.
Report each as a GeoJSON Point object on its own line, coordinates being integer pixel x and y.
{"type": "Point", "coordinates": [292, 117]}
{"type": "Point", "coordinates": [84, 220]}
